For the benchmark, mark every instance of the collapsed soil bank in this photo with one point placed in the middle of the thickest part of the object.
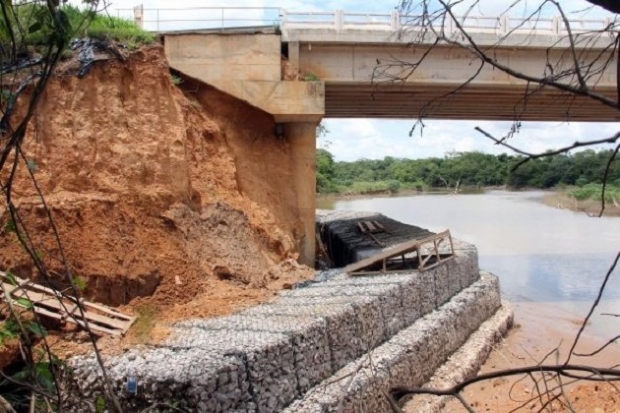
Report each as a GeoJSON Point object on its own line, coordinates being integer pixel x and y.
{"type": "Point", "coordinates": [176, 196]}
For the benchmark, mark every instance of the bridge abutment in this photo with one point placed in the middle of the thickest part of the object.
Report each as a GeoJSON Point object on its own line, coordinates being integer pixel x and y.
{"type": "Point", "coordinates": [302, 140]}
{"type": "Point", "coordinates": [248, 66]}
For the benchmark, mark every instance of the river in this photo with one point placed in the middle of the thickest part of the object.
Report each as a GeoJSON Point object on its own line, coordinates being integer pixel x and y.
{"type": "Point", "coordinates": [556, 258]}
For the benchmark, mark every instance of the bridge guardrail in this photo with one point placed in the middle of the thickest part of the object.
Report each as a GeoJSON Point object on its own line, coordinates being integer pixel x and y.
{"type": "Point", "coordinates": [162, 19]}
{"type": "Point", "coordinates": [167, 19]}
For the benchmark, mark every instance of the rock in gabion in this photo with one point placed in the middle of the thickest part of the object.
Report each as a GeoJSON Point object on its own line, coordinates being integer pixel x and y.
{"type": "Point", "coordinates": [308, 336]}
{"type": "Point", "coordinates": [390, 294]}
{"type": "Point", "coordinates": [344, 330]}
{"type": "Point", "coordinates": [192, 377]}
{"type": "Point", "coordinates": [269, 360]}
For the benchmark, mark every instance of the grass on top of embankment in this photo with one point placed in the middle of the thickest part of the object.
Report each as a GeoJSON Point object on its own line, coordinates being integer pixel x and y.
{"type": "Point", "coordinates": [105, 27]}
{"type": "Point", "coordinates": [37, 29]}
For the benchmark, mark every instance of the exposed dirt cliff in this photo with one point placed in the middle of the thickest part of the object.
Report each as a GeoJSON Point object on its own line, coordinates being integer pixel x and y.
{"type": "Point", "coordinates": [173, 195]}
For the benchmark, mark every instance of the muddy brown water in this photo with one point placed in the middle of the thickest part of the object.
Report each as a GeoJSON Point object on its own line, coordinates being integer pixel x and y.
{"type": "Point", "coordinates": [546, 258]}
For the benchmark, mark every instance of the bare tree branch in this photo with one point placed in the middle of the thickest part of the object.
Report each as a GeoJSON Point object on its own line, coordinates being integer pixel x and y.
{"type": "Point", "coordinates": [609, 5]}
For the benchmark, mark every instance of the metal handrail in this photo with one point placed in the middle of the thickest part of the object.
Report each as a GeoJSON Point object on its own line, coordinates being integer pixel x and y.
{"type": "Point", "coordinates": [157, 16]}
{"type": "Point", "coordinates": [340, 20]}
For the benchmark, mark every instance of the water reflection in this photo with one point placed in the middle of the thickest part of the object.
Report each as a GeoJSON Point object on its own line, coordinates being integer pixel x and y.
{"type": "Point", "coordinates": [552, 277]}
{"type": "Point", "coordinates": [540, 253]}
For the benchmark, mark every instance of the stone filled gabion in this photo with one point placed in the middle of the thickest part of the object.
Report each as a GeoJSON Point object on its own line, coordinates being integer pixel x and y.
{"type": "Point", "coordinates": [308, 335]}
{"type": "Point", "coordinates": [409, 359]}
{"type": "Point", "coordinates": [263, 358]}
{"type": "Point", "coordinates": [269, 360]}
{"type": "Point", "coordinates": [186, 378]}
{"type": "Point", "coordinates": [323, 215]}
{"type": "Point", "coordinates": [343, 327]}
{"type": "Point", "coordinates": [368, 315]}
{"type": "Point", "coordinates": [389, 294]}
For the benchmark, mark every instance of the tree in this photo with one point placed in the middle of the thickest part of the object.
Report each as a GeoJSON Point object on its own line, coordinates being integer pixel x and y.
{"type": "Point", "coordinates": [569, 69]}
{"type": "Point", "coordinates": [325, 172]}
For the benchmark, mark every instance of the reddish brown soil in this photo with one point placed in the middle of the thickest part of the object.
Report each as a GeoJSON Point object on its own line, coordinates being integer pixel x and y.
{"type": "Point", "coordinates": [170, 200]}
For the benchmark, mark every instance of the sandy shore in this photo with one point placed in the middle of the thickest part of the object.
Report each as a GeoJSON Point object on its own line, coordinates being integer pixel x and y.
{"type": "Point", "coordinates": [543, 332]}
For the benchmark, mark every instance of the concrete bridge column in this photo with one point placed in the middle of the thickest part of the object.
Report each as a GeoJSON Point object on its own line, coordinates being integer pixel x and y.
{"type": "Point", "coordinates": [302, 140]}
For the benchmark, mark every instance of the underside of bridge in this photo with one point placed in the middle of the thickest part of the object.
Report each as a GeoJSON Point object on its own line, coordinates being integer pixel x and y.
{"type": "Point", "coordinates": [334, 77]}
{"type": "Point", "coordinates": [444, 101]}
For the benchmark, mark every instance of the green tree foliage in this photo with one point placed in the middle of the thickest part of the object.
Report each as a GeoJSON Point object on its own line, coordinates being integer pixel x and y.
{"type": "Point", "coordinates": [325, 172]}
{"type": "Point", "coordinates": [469, 169]}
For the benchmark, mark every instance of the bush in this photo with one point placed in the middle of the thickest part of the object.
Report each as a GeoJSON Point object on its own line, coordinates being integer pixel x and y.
{"type": "Point", "coordinates": [581, 181]}
{"type": "Point", "coordinates": [393, 186]}
{"type": "Point", "coordinates": [593, 191]}
{"type": "Point", "coordinates": [369, 187]}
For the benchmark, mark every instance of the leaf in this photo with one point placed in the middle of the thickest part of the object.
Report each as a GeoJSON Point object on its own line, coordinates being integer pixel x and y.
{"type": "Point", "coordinates": [24, 303]}
{"type": "Point", "coordinates": [100, 404]}
{"type": "Point", "coordinates": [37, 329]}
{"type": "Point", "coordinates": [44, 375]}
{"type": "Point", "coordinates": [35, 27]}
{"type": "Point", "coordinates": [10, 226]}
{"type": "Point", "coordinates": [11, 278]}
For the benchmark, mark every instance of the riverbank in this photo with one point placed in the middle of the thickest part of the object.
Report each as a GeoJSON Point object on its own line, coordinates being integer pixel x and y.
{"type": "Point", "coordinates": [404, 192]}
{"type": "Point", "coordinates": [534, 339]}
{"type": "Point", "coordinates": [562, 199]}
{"type": "Point", "coordinates": [559, 198]}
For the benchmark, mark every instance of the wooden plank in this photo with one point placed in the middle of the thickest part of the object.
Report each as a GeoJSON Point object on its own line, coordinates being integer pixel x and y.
{"type": "Point", "coordinates": [360, 225]}
{"type": "Point", "coordinates": [399, 249]}
{"type": "Point", "coordinates": [370, 226]}
{"type": "Point", "coordinates": [31, 285]}
{"type": "Point", "coordinates": [430, 267]}
{"type": "Point", "coordinates": [379, 272]}
{"type": "Point", "coordinates": [54, 304]}
{"type": "Point", "coordinates": [97, 328]}
{"type": "Point", "coordinates": [379, 225]}
{"type": "Point", "coordinates": [424, 261]}
{"type": "Point", "coordinates": [379, 243]}
{"type": "Point", "coordinates": [108, 310]}
{"type": "Point", "coordinates": [39, 299]}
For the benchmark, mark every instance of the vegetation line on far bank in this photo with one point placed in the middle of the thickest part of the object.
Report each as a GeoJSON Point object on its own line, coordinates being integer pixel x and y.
{"type": "Point", "coordinates": [580, 172]}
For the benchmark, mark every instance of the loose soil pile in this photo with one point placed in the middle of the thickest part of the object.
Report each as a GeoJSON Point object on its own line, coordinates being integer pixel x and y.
{"type": "Point", "coordinates": [168, 200]}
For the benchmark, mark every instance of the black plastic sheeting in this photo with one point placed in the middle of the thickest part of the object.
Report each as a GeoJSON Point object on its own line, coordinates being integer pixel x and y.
{"type": "Point", "coordinates": [87, 50]}
{"type": "Point", "coordinates": [345, 243]}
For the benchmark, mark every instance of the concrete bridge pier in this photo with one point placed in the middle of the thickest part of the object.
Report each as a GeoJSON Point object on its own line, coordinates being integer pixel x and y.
{"type": "Point", "coordinates": [248, 66]}
{"type": "Point", "coordinates": [302, 139]}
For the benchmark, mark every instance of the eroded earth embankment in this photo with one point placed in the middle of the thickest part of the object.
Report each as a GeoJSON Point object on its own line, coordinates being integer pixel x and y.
{"type": "Point", "coordinates": [172, 198]}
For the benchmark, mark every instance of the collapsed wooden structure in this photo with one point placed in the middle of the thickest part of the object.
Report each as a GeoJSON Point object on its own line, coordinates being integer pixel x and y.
{"type": "Point", "coordinates": [421, 254]}
{"type": "Point", "coordinates": [52, 303]}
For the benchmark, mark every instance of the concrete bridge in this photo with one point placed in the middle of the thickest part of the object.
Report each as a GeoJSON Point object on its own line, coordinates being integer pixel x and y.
{"type": "Point", "coordinates": [335, 66]}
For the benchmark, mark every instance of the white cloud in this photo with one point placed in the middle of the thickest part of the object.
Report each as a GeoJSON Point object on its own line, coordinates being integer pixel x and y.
{"type": "Point", "coordinates": [352, 139]}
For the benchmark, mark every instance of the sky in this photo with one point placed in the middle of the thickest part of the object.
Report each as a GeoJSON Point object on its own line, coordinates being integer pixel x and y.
{"type": "Point", "coordinates": [351, 139]}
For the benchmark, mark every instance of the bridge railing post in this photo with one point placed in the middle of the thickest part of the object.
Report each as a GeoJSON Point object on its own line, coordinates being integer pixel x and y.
{"type": "Point", "coordinates": [557, 25]}
{"type": "Point", "coordinates": [504, 24]}
{"type": "Point", "coordinates": [449, 25]}
{"type": "Point", "coordinates": [608, 25]}
{"type": "Point", "coordinates": [283, 18]}
{"type": "Point", "coordinates": [339, 20]}
{"type": "Point", "coordinates": [395, 19]}
{"type": "Point", "coordinates": [138, 15]}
